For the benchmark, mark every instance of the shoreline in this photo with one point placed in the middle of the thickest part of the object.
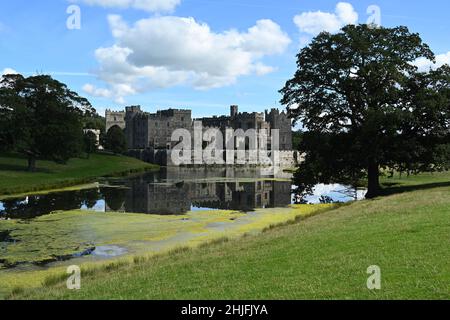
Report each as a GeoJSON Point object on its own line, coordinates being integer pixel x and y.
{"type": "Point", "coordinates": [61, 183]}
{"type": "Point", "coordinates": [71, 185]}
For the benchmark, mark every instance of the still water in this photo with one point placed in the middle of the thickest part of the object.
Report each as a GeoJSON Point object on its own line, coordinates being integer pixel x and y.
{"type": "Point", "coordinates": [176, 192]}
{"type": "Point", "coordinates": [147, 213]}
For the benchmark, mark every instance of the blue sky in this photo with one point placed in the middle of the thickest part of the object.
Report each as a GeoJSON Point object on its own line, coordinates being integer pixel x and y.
{"type": "Point", "coordinates": [223, 64]}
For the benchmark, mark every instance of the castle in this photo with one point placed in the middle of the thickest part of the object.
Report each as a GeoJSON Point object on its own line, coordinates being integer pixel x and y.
{"type": "Point", "coordinates": [144, 196]}
{"type": "Point", "coordinates": [149, 135]}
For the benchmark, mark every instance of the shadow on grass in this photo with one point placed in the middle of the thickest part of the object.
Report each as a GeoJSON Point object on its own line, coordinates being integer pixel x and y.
{"type": "Point", "coordinates": [395, 188]}
{"type": "Point", "coordinates": [15, 167]}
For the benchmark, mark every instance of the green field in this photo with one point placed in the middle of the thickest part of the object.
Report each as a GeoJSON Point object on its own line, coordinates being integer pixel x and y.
{"type": "Point", "coordinates": [15, 179]}
{"type": "Point", "coordinates": [323, 257]}
{"type": "Point", "coordinates": [423, 181]}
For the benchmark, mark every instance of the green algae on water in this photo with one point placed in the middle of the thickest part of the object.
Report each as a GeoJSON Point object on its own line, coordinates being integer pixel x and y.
{"type": "Point", "coordinates": [63, 235]}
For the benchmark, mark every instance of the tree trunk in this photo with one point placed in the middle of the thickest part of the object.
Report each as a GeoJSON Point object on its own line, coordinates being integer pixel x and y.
{"type": "Point", "coordinates": [31, 164]}
{"type": "Point", "coordinates": [374, 180]}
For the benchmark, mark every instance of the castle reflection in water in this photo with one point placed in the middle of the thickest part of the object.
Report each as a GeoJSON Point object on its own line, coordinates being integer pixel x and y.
{"type": "Point", "coordinates": [167, 192]}
{"type": "Point", "coordinates": [178, 195]}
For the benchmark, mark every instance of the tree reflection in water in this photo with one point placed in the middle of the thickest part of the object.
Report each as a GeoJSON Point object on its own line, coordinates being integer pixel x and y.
{"type": "Point", "coordinates": [139, 195]}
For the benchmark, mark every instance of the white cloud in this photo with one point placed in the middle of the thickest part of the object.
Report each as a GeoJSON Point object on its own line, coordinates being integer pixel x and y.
{"type": "Point", "coordinates": [261, 69]}
{"type": "Point", "coordinates": [147, 5]}
{"type": "Point", "coordinates": [423, 64]}
{"type": "Point", "coordinates": [161, 52]}
{"type": "Point", "coordinates": [120, 90]}
{"type": "Point", "coordinates": [97, 92]}
{"type": "Point", "coordinates": [336, 191]}
{"type": "Point", "coordinates": [315, 22]}
{"type": "Point", "coordinates": [346, 14]}
{"type": "Point", "coordinates": [7, 71]}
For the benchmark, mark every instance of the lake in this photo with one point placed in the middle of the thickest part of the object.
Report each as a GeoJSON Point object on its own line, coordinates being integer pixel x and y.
{"type": "Point", "coordinates": [146, 214]}
{"type": "Point", "coordinates": [176, 191]}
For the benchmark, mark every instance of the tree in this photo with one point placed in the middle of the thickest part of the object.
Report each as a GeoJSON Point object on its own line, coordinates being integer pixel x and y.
{"type": "Point", "coordinates": [365, 106]}
{"type": "Point", "coordinates": [95, 122]}
{"type": "Point", "coordinates": [297, 137]}
{"type": "Point", "coordinates": [44, 116]}
{"type": "Point", "coordinates": [90, 142]}
{"type": "Point", "coordinates": [6, 132]}
{"type": "Point", "coordinates": [115, 140]}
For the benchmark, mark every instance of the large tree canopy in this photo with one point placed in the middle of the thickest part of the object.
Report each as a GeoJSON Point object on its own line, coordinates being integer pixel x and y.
{"type": "Point", "coordinates": [365, 106]}
{"type": "Point", "coordinates": [115, 140]}
{"type": "Point", "coordinates": [41, 118]}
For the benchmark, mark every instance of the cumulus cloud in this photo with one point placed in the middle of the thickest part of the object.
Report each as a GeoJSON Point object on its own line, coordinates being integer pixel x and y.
{"type": "Point", "coordinates": [161, 52]}
{"type": "Point", "coordinates": [147, 5]}
{"type": "Point", "coordinates": [424, 64]}
{"type": "Point", "coordinates": [315, 22]}
{"type": "Point", "coordinates": [7, 71]}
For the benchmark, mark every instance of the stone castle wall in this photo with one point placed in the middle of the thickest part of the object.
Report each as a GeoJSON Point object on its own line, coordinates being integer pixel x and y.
{"type": "Point", "coordinates": [284, 158]}
{"type": "Point", "coordinates": [115, 119]}
{"type": "Point", "coordinates": [149, 134]}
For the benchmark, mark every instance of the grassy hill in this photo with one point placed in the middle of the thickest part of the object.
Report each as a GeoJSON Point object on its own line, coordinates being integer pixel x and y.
{"type": "Point", "coordinates": [323, 257]}
{"type": "Point", "coordinates": [14, 177]}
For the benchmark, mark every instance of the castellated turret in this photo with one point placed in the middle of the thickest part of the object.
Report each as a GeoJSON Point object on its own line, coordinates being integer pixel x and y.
{"type": "Point", "coordinates": [234, 110]}
{"type": "Point", "coordinates": [115, 118]}
{"type": "Point", "coordinates": [281, 121]}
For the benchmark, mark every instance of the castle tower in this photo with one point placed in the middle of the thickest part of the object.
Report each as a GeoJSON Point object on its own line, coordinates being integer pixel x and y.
{"type": "Point", "coordinates": [234, 110]}
{"type": "Point", "coordinates": [283, 123]}
{"type": "Point", "coordinates": [114, 119]}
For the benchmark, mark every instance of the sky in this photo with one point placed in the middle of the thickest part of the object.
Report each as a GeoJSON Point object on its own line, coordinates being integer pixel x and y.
{"type": "Point", "coordinates": [203, 55]}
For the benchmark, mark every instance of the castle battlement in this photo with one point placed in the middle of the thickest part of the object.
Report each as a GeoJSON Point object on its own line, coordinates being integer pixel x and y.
{"type": "Point", "coordinates": [153, 131]}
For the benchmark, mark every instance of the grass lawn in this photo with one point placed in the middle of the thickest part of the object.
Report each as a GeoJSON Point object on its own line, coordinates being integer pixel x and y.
{"type": "Point", "coordinates": [323, 257]}
{"type": "Point", "coordinates": [404, 183]}
{"type": "Point", "coordinates": [15, 179]}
